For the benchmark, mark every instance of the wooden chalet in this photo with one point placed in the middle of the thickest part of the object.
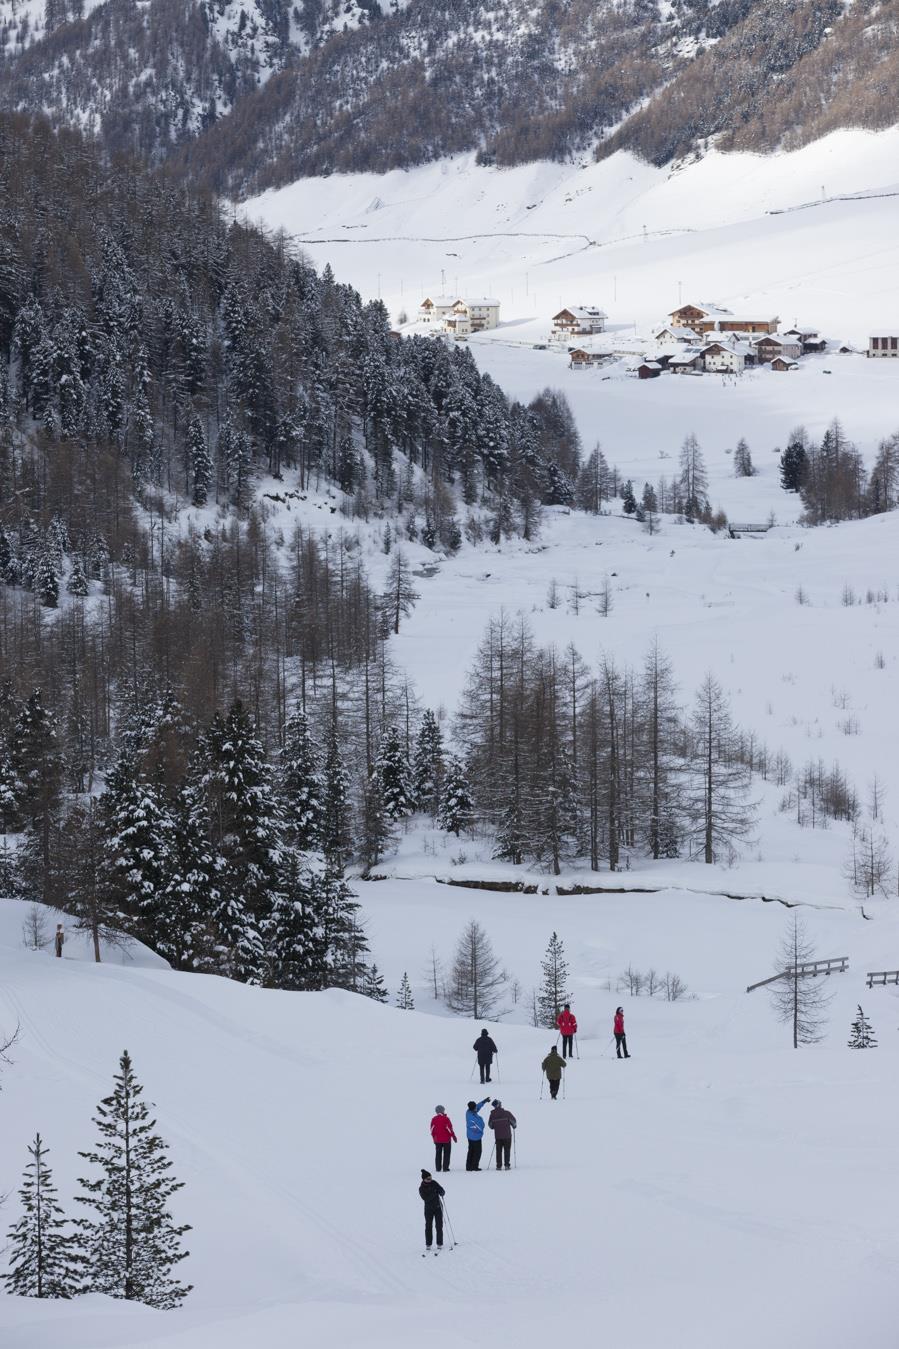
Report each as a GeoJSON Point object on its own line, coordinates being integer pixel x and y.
{"type": "Point", "coordinates": [709, 318]}
{"type": "Point", "coordinates": [782, 363]}
{"type": "Point", "coordinates": [649, 370]}
{"type": "Point", "coordinates": [579, 321]}
{"type": "Point", "coordinates": [688, 363]}
{"type": "Point", "coordinates": [772, 344]}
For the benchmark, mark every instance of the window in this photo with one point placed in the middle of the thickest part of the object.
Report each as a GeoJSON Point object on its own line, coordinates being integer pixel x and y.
{"type": "Point", "coordinates": [894, 343]}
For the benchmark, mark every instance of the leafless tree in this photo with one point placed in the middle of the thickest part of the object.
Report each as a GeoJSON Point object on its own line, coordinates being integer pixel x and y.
{"type": "Point", "coordinates": [799, 1000]}
{"type": "Point", "coordinates": [675, 988]}
{"type": "Point", "coordinates": [34, 928]}
{"type": "Point", "coordinates": [719, 813]}
{"type": "Point", "coordinates": [476, 977]}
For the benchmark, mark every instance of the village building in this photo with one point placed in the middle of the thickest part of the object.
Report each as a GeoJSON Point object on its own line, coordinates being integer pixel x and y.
{"type": "Point", "coordinates": [579, 358]}
{"type": "Point", "coordinates": [780, 363]}
{"type": "Point", "coordinates": [772, 345]}
{"type": "Point", "coordinates": [722, 359]}
{"type": "Point", "coordinates": [688, 362]}
{"type": "Point", "coordinates": [809, 338]}
{"type": "Point", "coordinates": [887, 344]}
{"type": "Point", "coordinates": [670, 333]}
{"type": "Point", "coordinates": [709, 318]}
{"type": "Point", "coordinates": [459, 317]}
{"type": "Point", "coordinates": [649, 370]}
{"type": "Point", "coordinates": [579, 321]}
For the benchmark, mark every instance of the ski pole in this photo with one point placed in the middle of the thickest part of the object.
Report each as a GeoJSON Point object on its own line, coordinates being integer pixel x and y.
{"type": "Point", "coordinates": [473, 1066]}
{"type": "Point", "coordinates": [449, 1224]}
{"type": "Point", "coordinates": [490, 1158]}
{"type": "Point", "coordinates": [564, 1089]}
{"type": "Point", "coordinates": [606, 1050]}
{"type": "Point", "coordinates": [577, 1050]}
{"type": "Point", "coordinates": [498, 1073]}
{"type": "Point", "coordinates": [541, 1086]}
{"type": "Point", "coordinates": [515, 1147]}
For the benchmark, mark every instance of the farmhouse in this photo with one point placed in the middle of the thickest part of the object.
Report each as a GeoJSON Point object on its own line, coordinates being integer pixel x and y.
{"type": "Point", "coordinates": [649, 370]}
{"type": "Point", "coordinates": [670, 333]}
{"type": "Point", "coordinates": [708, 318]}
{"type": "Point", "coordinates": [885, 345]}
{"type": "Point", "coordinates": [809, 338]}
{"type": "Point", "coordinates": [780, 363]}
{"type": "Point", "coordinates": [772, 345]}
{"type": "Point", "coordinates": [690, 362]}
{"type": "Point", "coordinates": [722, 359]}
{"type": "Point", "coordinates": [459, 317]}
{"type": "Point", "coordinates": [579, 321]}
{"type": "Point", "coordinates": [579, 359]}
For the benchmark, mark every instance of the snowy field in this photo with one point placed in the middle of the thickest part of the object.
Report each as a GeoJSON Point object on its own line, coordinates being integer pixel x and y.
{"type": "Point", "coordinates": [775, 235]}
{"type": "Point", "coordinates": [719, 1188]}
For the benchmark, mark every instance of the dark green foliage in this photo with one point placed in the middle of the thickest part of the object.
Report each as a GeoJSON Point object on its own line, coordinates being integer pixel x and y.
{"type": "Point", "coordinates": [43, 1257]}
{"type": "Point", "coordinates": [861, 1035]}
{"type": "Point", "coordinates": [553, 993]}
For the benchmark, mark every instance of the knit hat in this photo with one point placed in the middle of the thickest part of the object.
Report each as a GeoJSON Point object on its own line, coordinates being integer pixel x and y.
{"type": "Point", "coordinates": [439, 1110]}
{"type": "Point", "coordinates": [496, 1102]}
{"type": "Point", "coordinates": [425, 1175]}
{"type": "Point", "coordinates": [472, 1105]}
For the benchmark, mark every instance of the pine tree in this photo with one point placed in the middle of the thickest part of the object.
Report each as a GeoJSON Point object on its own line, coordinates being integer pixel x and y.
{"type": "Point", "coordinates": [553, 994]}
{"type": "Point", "coordinates": [743, 467]}
{"type": "Point", "coordinates": [77, 584]}
{"type": "Point", "coordinates": [476, 977]}
{"type": "Point", "coordinates": [43, 1259]}
{"type": "Point", "coordinates": [799, 999]}
{"type": "Point", "coordinates": [296, 932]}
{"type": "Point", "coordinates": [131, 1243]}
{"type": "Point", "coordinates": [376, 825]}
{"type": "Point", "coordinates": [137, 836]}
{"type": "Point", "coordinates": [392, 770]}
{"type": "Point", "coordinates": [404, 999]}
{"type": "Point", "coordinates": [628, 500]}
{"type": "Point", "coordinates": [399, 595]}
{"type": "Point", "coordinates": [457, 803]}
{"type": "Point", "coordinates": [335, 827]}
{"type": "Point", "coordinates": [301, 786]}
{"type": "Point", "coordinates": [861, 1034]}
{"type": "Point", "coordinates": [187, 930]}
{"type": "Point", "coordinates": [719, 813]}
{"type": "Point", "coordinates": [46, 579]}
{"type": "Point", "coordinates": [693, 477]}
{"type": "Point", "coordinates": [428, 764]}
{"type": "Point", "coordinates": [200, 461]}
{"type": "Point", "coordinates": [794, 462]}
{"type": "Point", "coordinates": [373, 986]}
{"type": "Point", "coordinates": [347, 944]}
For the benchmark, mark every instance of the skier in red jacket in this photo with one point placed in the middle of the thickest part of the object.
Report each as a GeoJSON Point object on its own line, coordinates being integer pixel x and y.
{"type": "Point", "coordinates": [620, 1037]}
{"type": "Point", "coordinates": [567, 1024]}
{"type": "Point", "coordinates": [444, 1137]}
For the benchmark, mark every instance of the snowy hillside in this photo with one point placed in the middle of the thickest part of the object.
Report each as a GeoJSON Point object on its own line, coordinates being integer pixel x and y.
{"type": "Point", "coordinates": [808, 236]}
{"type": "Point", "coordinates": [718, 1188]}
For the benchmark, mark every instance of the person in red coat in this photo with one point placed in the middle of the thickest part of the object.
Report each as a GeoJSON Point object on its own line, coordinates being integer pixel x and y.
{"type": "Point", "coordinates": [444, 1137]}
{"type": "Point", "coordinates": [567, 1024]}
{"type": "Point", "coordinates": [620, 1037]}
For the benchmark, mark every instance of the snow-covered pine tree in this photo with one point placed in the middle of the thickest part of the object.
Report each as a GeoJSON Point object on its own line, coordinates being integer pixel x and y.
{"type": "Point", "coordinates": [404, 998]}
{"type": "Point", "coordinates": [373, 985]}
{"type": "Point", "coordinates": [377, 833]}
{"type": "Point", "coordinates": [137, 837]}
{"type": "Point", "coordinates": [743, 467]}
{"type": "Point", "coordinates": [131, 1243]}
{"type": "Point", "coordinates": [861, 1034]}
{"type": "Point", "coordinates": [199, 460]}
{"type": "Point", "coordinates": [77, 583]}
{"type": "Point", "coordinates": [46, 579]}
{"type": "Point", "coordinates": [457, 803]}
{"type": "Point", "coordinates": [346, 941]}
{"type": "Point", "coordinates": [511, 835]}
{"type": "Point", "coordinates": [247, 833]}
{"type": "Point", "coordinates": [392, 771]}
{"type": "Point", "coordinates": [43, 1259]}
{"type": "Point", "coordinates": [553, 993]}
{"type": "Point", "coordinates": [296, 931]}
{"type": "Point", "coordinates": [335, 827]}
{"type": "Point", "coordinates": [301, 786]}
{"type": "Point", "coordinates": [188, 936]}
{"type": "Point", "coordinates": [428, 764]}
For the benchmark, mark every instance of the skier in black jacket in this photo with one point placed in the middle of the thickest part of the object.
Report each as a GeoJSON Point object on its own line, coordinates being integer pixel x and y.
{"type": "Point", "coordinates": [432, 1195]}
{"type": "Point", "coordinates": [485, 1049]}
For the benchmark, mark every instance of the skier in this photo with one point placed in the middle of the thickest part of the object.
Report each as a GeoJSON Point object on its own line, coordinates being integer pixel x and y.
{"type": "Point", "coordinates": [553, 1065]}
{"type": "Point", "coordinates": [485, 1049]}
{"type": "Point", "coordinates": [502, 1122]}
{"type": "Point", "coordinates": [444, 1136]}
{"type": "Point", "coordinates": [59, 939]}
{"type": "Point", "coordinates": [567, 1024]}
{"type": "Point", "coordinates": [432, 1194]}
{"type": "Point", "coordinates": [620, 1037]}
{"type": "Point", "coordinates": [474, 1132]}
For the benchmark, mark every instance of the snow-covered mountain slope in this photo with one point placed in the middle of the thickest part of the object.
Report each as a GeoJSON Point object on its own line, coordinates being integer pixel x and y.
{"type": "Point", "coordinates": [807, 236]}
{"type": "Point", "coordinates": [718, 1188]}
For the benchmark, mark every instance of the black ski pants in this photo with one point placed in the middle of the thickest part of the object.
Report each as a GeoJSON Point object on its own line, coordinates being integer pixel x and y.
{"type": "Point", "coordinates": [485, 1065]}
{"type": "Point", "coordinates": [567, 1046]}
{"type": "Point", "coordinates": [503, 1150]}
{"type": "Point", "coordinates": [473, 1160]}
{"type": "Point", "coordinates": [442, 1155]}
{"type": "Point", "coordinates": [621, 1043]}
{"type": "Point", "coordinates": [433, 1216]}
{"type": "Point", "coordinates": [553, 1086]}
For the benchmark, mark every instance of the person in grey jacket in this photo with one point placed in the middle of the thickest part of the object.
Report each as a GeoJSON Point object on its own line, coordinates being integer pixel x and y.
{"type": "Point", "coordinates": [502, 1122]}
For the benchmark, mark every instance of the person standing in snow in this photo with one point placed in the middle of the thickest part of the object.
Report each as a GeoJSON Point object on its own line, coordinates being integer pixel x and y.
{"type": "Point", "coordinates": [432, 1195]}
{"type": "Point", "coordinates": [474, 1132]}
{"type": "Point", "coordinates": [444, 1137]}
{"type": "Point", "coordinates": [502, 1122]}
{"type": "Point", "coordinates": [553, 1066]}
{"type": "Point", "coordinates": [620, 1037]}
{"type": "Point", "coordinates": [59, 940]}
{"type": "Point", "coordinates": [485, 1050]}
{"type": "Point", "coordinates": [567, 1024]}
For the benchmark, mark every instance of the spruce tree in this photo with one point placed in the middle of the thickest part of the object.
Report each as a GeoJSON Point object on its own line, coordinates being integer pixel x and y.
{"type": "Point", "coordinates": [200, 461]}
{"type": "Point", "coordinates": [377, 834]}
{"type": "Point", "coordinates": [131, 1243]}
{"type": "Point", "coordinates": [46, 579]}
{"type": "Point", "coordinates": [373, 985]}
{"type": "Point", "coordinates": [404, 999]}
{"type": "Point", "coordinates": [301, 786]}
{"type": "Point", "coordinates": [137, 834]}
{"type": "Point", "coordinates": [743, 466]}
{"type": "Point", "coordinates": [457, 803]}
{"type": "Point", "coordinates": [553, 993]}
{"type": "Point", "coordinates": [43, 1261]}
{"type": "Point", "coordinates": [335, 827]}
{"type": "Point", "coordinates": [346, 941]}
{"type": "Point", "coordinates": [428, 764]}
{"type": "Point", "coordinates": [861, 1033]}
{"type": "Point", "coordinates": [392, 770]}
{"type": "Point", "coordinates": [187, 931]}
{"type": "Point", "coordinates": [296, 932]}
{"type": "Point", "coordinates": [77, 583]}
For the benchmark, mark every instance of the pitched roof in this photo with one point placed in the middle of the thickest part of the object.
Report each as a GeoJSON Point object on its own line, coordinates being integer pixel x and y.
{"type": "Point", "coordinates": [707, 308]}
{"type": "Point", "coordinates": [582, 311]}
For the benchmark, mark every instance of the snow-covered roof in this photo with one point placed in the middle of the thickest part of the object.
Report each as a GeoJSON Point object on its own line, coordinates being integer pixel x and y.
{"type": "Point", "coordinates": [439, 301]}
{"type": "Point", "coordinates": [479, 303]}
{"type": "Point", "coordinates": [582, 311]}
{"type": "Point", "coordinates": [683, 334]}
{"type": "Point", "coordinates": [649, 365]}
{"type": "Point", "coordinates": [687, 358]}
{"type": "Point", "coordinates": [781, 339]}
{"type": "Point", "coordinates": [706, 307]}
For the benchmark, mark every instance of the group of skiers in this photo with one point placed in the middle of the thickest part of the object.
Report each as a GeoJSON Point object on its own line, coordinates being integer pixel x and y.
{"type": "Point", "coordinates": [501, 1121]}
